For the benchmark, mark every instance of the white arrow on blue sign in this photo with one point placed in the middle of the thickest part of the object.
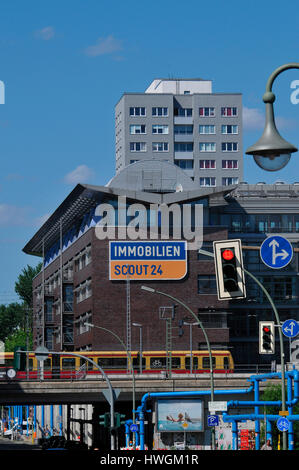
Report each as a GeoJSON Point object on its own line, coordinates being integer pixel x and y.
{"type": "Point", "coordinates": [276, 252]}
{"type": "Point", "coordinates": [290, 328]}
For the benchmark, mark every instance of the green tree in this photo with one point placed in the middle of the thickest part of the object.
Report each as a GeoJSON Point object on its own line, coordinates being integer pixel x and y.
{"type": "Point", "coordinates": [273, 393]}
{"type": "Point", "coordinates": [11, 319]}
{"type": "Point", "coordinates": [23, 285]}
{"type": "Point", "coordinates": [19, 338]}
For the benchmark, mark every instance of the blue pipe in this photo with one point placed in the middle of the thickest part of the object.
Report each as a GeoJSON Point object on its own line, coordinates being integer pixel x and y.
{"type": "Point", "coordinates": [256, 410]}
{"type": "Point", "coordinates": [60, 420]}
{"type": "Point", "coordinates": [51, 419]}
{"type": "Point", "coordinates": [127, 431]}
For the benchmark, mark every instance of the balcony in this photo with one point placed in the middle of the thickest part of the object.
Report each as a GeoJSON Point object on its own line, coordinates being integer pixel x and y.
{"type": "Point", "coordinates": [67, 307]}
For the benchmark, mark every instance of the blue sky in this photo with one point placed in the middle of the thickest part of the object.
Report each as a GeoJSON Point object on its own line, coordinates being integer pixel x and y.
{"type": "Point", "coordinates": [65, 64]}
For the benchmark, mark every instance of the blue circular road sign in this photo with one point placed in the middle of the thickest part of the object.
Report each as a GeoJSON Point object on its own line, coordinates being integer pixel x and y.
{"type": "Point", "coordinates": [134, 427]}
{"type": "Point", "coordinates": [283, 424]}
{"type": "Point", "coordinates": [276, 252]}
{"type": "Point", "coordinates": [290, 328]}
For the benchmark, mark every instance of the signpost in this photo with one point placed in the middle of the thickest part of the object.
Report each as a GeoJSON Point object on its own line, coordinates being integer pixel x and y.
{"type": "Point", "coordinates": [213, 420]}
{"type": "Point", "coordinates": [147, 260]}
{"type": "Point", "coordinates": [283, 424]}
{"type": "Point", "coordinates": [290, 328]}
{"type": "Point", "coordinates": [276, 252]}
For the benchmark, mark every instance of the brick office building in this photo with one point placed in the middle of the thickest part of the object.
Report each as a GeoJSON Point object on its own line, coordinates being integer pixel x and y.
{"type": "Point", "coordinates": [74, 286]}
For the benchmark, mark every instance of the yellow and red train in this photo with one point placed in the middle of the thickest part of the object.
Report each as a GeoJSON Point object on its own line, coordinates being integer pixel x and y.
{"type": "Point", "coordinates": [66, 366]}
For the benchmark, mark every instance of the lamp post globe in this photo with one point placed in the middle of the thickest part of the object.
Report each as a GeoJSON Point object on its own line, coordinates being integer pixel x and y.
{"type": "Point", "coordinates": [271, 152]}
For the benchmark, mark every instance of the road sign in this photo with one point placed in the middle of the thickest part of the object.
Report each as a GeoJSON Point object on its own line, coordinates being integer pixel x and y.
{"type": "Point", "coordinates": [41, 353]}
{"type": "Point", "coordinates": [147, 260]}
{"type": "Point", "coordinates": [115, 391]}
{"type": "Point", "coordinates": [217, 406]}
{"type": "Point", "coordinates": [290, 328]}
{"type": "Point", "coordinates": [213, 420]}
{"type": "Point", "coordinates": [276, 252]}
{"type": "Point", "coordinates": [283, 424]}
{"type": "Point", "coordinates": [134, 428]}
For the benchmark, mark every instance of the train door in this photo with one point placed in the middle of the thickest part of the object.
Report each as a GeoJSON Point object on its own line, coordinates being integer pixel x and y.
{"type": "Point", "coordinates": [56, 366]}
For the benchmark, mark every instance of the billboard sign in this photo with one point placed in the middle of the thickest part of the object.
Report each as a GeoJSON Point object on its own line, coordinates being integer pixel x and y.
{"type": "Point", "coordinates": [147, 260]}
{"type": "Point", "coordinates": [180, 415]}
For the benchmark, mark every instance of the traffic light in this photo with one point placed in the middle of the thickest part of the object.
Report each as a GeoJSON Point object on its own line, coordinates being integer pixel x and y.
{"type": "Point", "coordinates": [229, 269]}
{"type": "Point", "coordinates": [119, 420]}
{"type": "Point", "coordinates": [19, 359]}
{"type": "Point", "coordinates": [105, 420]}
{"type": "Point", "coordinates": [266, 337]}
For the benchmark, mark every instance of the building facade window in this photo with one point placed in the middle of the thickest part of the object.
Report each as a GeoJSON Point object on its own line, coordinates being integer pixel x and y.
{"type": "Point", "coordinates": [207, 284]}
{"type": "Point", "coordinates": [230, 164]}
{"type": "Point", "coordinates": [229, 146]}
{"type": "Point", "coordinates": [160, 147]}
{"type": "Point", "coordinates": [207, 181]}
{"type": "Point", "coordinates": [207, 129]}
{"type": "Point", "coordinates": [83, 291]}
{"type": "Point", "coordinates": [137, 111]}
{"type": "Point", "coordinates": [137, 129]}
{"type": "Point", "coordinates": [229, 129]}
{"type": "Point", "coordinates": [183, 129]}
{"type": "Point", "coordinates": [183, 146]}
{"type": "Point", "coordinates": [207, 164]}
{"type": "Point", "coordinates": [185, 164]}
{"type": "Point", "coordinates": [230, 180]}
{"type": "Point", "coordinates": [81, 321]}
{"type": "Point", "coordinates": [207, 147]}
{"type": "Point", "coordinates": [229, 111]}
{"type": "Point", "coordinates": [160, 129]}
{"type": "Point", "coordinates": [183, 112]}
{"type": "Point", "coordinates": [160, 111]}
{"type": "Point", "coordinates": [206, 112]}
{"type": "Point", "coordinates": [137, 146]}
{"type": "Point", "coordinates": [83, 258]}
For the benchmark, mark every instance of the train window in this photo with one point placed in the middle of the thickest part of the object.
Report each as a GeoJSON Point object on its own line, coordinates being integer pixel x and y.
{"type": "Point", "coordinates": [194, 361]}
{"type": "Point", "coordinates": [30, 364]}
{"type": "Point", "coordinates": [226, 363]}
{"type": "Point", "coordinates": [89, 365]}
{"type": "Point", "coordinates": [112, 362]}
{"type": "Point", "coordinates": [47, 364]}
{"type": "Point", "coordinates": [160, 363]}
{"type": "Point", "coordinates": [206, 362]}
{"type": "Point", "coordinates": [68, 363]}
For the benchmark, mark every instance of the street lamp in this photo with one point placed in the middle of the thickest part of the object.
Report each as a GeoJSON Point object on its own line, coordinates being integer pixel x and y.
{"type": "Point", "coordinates": [271, 152]}
{"type": "Point", "coordinates": [140, 345]}
{"type": "Point", "coordinates": [155, 291]}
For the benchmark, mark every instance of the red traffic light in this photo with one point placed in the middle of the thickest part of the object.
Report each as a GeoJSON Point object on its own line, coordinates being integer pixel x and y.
{"type": "Point", "coordinates": [228, 254]}
{"type": "Point", "coordinates": [266, 329]}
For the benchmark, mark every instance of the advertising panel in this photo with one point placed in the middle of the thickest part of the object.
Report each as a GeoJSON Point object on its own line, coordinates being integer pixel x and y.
{"type": "Point", "coordinates": [147, 260]}
{"type": "Point", "coordinates": [180, 415]}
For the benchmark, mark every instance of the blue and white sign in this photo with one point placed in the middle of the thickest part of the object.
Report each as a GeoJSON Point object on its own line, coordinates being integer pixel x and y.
{"type": "Point", "coordinates": [213, 420]}
{"type": "Point", "coordinates": [290, 328]}
{"type": "Point", "coordinates": [134, 427]}
{"type": "Point", "coordinates": [283, 424]}
{"type": "Point", "coordinates": [276, 252]}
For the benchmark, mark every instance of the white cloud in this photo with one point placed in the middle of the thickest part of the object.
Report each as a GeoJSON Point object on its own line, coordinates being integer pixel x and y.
{"type": "Point", "coordinates": [11, 215]}
{"type": "Point", "coordinates": [253, 119]}
{"type": "Point", "coordinates": [81, 174]}
{"type": "Point", "coordinates": [104, 46]}
{"type": "Point", "coordinates": [45, 33]}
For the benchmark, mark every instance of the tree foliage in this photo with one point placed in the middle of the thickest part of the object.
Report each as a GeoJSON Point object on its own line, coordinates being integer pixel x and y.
{"type": "Point", "coordinates": [273, 393]}
{"type": "Point", "coordinates": [23, 285]}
